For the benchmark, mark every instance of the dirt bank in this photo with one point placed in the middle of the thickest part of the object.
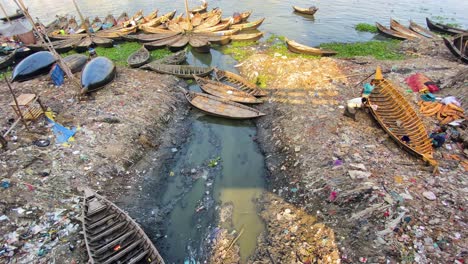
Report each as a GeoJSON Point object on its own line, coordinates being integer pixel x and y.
{"type": "Point", "coordinates": [349, 175]}
{"type": "Point", "coordinates": [116, 127]}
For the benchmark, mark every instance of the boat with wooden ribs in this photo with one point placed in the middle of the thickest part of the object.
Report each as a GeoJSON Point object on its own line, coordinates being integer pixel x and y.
{"type": "Point", "coordinates": [307, 11]}
{"type": "Point", "coordinates": [112, 236]}
{"type": "Point", "coordinates": [458, 46]}
{"type": "Point", "coordinates": [182, 71]}
{"type": "Point", "coordinates": [434, 26]}
{"type": "Point", "coordinates": [139, 58]}
{"type": "Point", "coordinates": [303, 49]}
{"type": "Point", "coordinates": [225, 91]}
{"type": "Point", "coordinates": [217, 106]}
{"type": "Point", "coordinates": [238, 82]}
{"type": "Point", "coordinates": [392, 33]}
{"type": "Point", "coordinates": [250, 25]}
{"type": "Point", "coordinates": [422, 31]}
{"type": "Point", "coordinates": [395, 25]}
{"type": "Point", "coordinates": [396, 116]}
{"type": "Point", "coordinates": [176, 58]}
{"type": "Point", "coordinates": [247, 37]}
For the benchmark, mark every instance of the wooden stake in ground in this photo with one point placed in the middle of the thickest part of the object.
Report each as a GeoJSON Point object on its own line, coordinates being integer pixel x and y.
{"type": "Point", "coordinates": [50, 47]}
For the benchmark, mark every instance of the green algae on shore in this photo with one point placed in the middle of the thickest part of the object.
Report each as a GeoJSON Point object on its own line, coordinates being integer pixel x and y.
{"type": "Point", "coordinates": [381, 50]}
{"type": "Point", "coordinates": [364, 27]}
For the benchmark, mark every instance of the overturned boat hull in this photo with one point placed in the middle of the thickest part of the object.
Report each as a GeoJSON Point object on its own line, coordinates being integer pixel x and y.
{"type": "Point", "coordinates": [97, 73]}
{"type": "Point", "coordinates": [32, 66]}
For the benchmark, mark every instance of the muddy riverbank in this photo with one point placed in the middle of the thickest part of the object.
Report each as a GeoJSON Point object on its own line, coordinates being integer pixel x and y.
{"type": "Point", "coordinates": [339, 190]}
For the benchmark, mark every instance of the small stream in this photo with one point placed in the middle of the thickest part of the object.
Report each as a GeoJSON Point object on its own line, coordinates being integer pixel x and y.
{"type": "Point", "coordinates": [218, 164]}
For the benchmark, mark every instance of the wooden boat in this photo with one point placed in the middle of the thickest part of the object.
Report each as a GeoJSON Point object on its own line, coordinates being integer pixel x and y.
{"type": "Point", "coordinates": [157, 21]}
{"type": "Point", "coordinates": [84, 27]}
{"type": "Point", "coordinates": [209, 22]}
{"type": "Point", "coordinates": [176, 58]}
{"type": "Point", "coordinates": [139, 58]}
{"type": "Point", "coordinates": [112, 236]}
{"type": "Point", "coordinates": [149, 17]}
{"type": "Point", "coordinates": [217, 106]}
{"type": "Point", "coordinates": [247, 37]}
{"type": "Point", "coordinates": [218, 27]}
{"type": "Point", "coordinates": [96, 25]}
{"type": "Point", "coordinates": [200, 9]}
{"type": "Point", "coordinates": [97, 73]}
{"type": "Point", "coordinates": [109, 22]}
{"type": "Point", "coordinates": [17, 15]}
{"type": "Point", "coordinates": [116, 33]}
{"type": "Point", "coordinates": [398, 119]}
{"type": "Point", "coordinates": [72, 25]}
{"type": "Point", "coordinates": [200, 44]}
{"type": "Point", "coordinates": [307, 11]}
{"type": "Point", "coordinates": [238, 82]}
{"type": "Point", "coordinates": [237, 18]}
{"type": "Point", "coordinates": [75, 62]}
{"type": "Point", "coordinates": [422, 31]}
{"type": "Point", "coordinates": [7, 60]}
{"type": "Point", "coordinates": [434, 26]}
{"type": "Point", "coordinates": [182, 71]}
{"type": "Point", "coordinates": [392, 33]}
{"type": "Point", "coordinates": [149, 37]}
{"type": "Point", "coordinates": [60, 46]}
{"type": "Point", "coordinates": [32, 66]}
{"type": "Point", "coordinates": [458, 47]}
{"type": "Point", "coordinates": [225, 91]}
{"type": "Point", "coordinates": [303, 49]}
{"type": "Point", "coordinates": [251, 25]}
{"type": "Point", "coordinates": [122, 19]}
{"type": "Point", "coordinates": [395, 25]}
{"type": "Point", "coordinates": [86, 42]}
{"type": "Point", "coordinates": [228, 32]}
{"type": "Point", "coordinates": [161, 43]}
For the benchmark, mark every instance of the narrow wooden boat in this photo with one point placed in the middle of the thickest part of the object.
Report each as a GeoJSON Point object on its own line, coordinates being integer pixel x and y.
{"type": "Point", "coordinates": [7, 60]}
{"type": "Point", "coordinates": [17, 15]}
{"type": "Point", "coordinates": [161, 43]}
{"type": "Point", "coordinates": [97, 73]}
{"type": "Point", "coordinates": [32, 66]}
{"type": "Point", "coordinates": [228, 32]}
{"type": "Point", "coordinates": [86, 42]}
{"type": "Point", "coordinates": [112, 236]}
{"type": "Point", "coordinates": [156, 22]}
{"type": "Point", "coordinates": [84, 27]}
{"type": "Point", "coordinates": [217, 106]}
{"type": "Point", "coordinates": [182, 71]}
{"type": "Point", "coordinates": [200, 9]}
{"type": "Point", "coordinates": [200, 44]}
{"type": "Point", "coordinates": [149, 17]}
{"type": "Point", "coordinates": [392, 33]}
{"type": "Point", "coordinates": [219, 27]}
{"type": "Point", "coordinates": [395, 25]}
{"type": "Point", "coordinates": [307, 11]}
{"type": "Point", "coordinates": [420, 30]}
{"type": "Point", "coordinates": [250, 25]}
{"type": "Point", "coordinates": [303, 49]}
{"type": "Point", "coordinates": [434, 26]}
{"type": "Point", "coordinates": [238, 82]}
{"type": "Point", "coordinates": [209, 22]}
{"type": "Point", "coordinates": [149, 37]}
{"type": "Point", "coordinates": [225, 91]}
{"type": "Point", "coordinates": [116, 33]}
{"type": "Point", "coordinates": [211, 13]}
{"type": "Point", "coordinates": [96, 25]}
{"type": "Point", "coordinates": [75, 62]}
{"type": "Point", "coordinates": [72, 25]}
{"type": "Point", "coordinates": [398, 119]}
{"type": "Point", "coordinates": [60, 46]}
{"type": "Point", "coordinates": [247, 37]}
{"type": "Point", "coordinates": [139, 58]}
{"type": "Point", "coordinates": [109, 22]}
{"type": "Point", "coordinates": [242, 17]}
{"type": "Point", "coordinates": [215, 39]}
{"type": "Point", "coordinates": [458, 47]}
{"type": "Point", "coordinates": [176, 58]}
{"type": "Point", "coordinates": [122, 19]}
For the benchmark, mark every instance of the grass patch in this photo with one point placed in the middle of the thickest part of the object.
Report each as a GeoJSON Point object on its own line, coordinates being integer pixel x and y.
{"type": "Point", "coordinates": [6, 72]}
{"type": "Point", "coordinates": [120, 52]}
{"type": "Point", "coordinates": [381, 50]}
{"type": "Point", "coordinates": [364, 27]}
{"type": "Point", "coordinates": [262, 81]}
{"type": "Point", "coordinates": [239, 50]}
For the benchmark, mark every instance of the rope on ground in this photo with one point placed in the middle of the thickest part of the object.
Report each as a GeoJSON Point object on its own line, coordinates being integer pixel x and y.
{"type": "Point", "coordinates": [235, 239]}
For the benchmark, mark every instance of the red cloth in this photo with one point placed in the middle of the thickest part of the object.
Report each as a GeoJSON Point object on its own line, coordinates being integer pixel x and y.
{"type": "Point", "coordinates": [419, 81]}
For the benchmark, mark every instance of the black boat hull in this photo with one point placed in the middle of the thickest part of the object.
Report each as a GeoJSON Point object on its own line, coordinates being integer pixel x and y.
{"type": "Point", "coordinates": [97, 73]}
{"type": "Point", "coordinates": [32, 66]}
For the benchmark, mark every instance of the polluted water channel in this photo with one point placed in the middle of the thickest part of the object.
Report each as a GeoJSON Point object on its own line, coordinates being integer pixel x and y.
{"type": "Point", "coordinates": [218, 168]}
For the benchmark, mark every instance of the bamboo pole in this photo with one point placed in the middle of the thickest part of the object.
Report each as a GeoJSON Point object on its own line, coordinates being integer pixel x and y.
{"type": "Point", "coordinates": [17, 108]}
{"type": "Point", "coordinates": [4, 12]}
{"type": "Point", "coordinates": [45, 39]}
{"type": "Point", "coordinates": [82, 18]}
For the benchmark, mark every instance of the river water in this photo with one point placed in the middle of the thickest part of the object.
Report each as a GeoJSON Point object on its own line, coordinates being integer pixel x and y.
{"type": "Point", "coordinates": [189, 199]}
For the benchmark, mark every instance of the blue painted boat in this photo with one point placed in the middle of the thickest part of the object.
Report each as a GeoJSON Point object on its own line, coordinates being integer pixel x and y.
{"type": "Point", "coordinates": [32, 66]}
{"type": "Point", "coordinates": [97, 73]}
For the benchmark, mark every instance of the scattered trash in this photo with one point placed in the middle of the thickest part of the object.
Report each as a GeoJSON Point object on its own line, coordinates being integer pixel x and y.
{"type": "Point", "coordinates": [429, 195]}
{"type": "Point", "coordinates": [42, 143]}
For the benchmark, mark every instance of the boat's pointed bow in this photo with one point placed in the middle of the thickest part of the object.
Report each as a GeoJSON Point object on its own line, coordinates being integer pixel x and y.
{"type": "Point", "coordinates": [378, 73]}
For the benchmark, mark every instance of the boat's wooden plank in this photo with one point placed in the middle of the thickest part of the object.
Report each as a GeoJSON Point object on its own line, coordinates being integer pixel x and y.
{"type": "Point", "coordinates": [124, 251]}
{"type": "Point", "coordinates": [100, 250]}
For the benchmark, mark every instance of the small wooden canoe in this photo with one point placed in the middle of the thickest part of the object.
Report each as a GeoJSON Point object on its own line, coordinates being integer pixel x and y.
{"type": "Point", "coordinates": [96, 24]}
{"type": "Point", "coordinates": [156, 21]}
{"type": "Point", "coordinates": [75, 62]}
{"type": "Point", "coordinates": [143, 38]}
{"type": "Point", "coordinates": [122, 19]}
{"type": "Point", "coordinates": [176, 58]}
{"type": "Point", "coordinates": [307, 11]}
{"type": "Point", "coordinates": [7, 60]}
{"type": "Point", "coordinates": [420, 30]}
{"type": "Point", "coordinates": [149, 17]}
{"type": "Point", "coordinates": [237, 18]}
{"type": "Point", "coordinates": [209, 22]}
{"type": "Point", "coordinates": [200, 44]}
{"type": "Point", "coordinates": [112, 236]}
{"type": "Point", "coordinates": [458, 47]}
{"type": "Point", "coordinates": [217, 106]}
{"type": "Point", "coordinates": [247, 37]}
{"type": "Point", "coordinates": [172, 41]}
{"type": "Point", "coordinates": [86, 42]}
{"type": "Point", "coordinates": [395, 25]}
{"type": "Point", "coordinates": [238, 82]}
{"type": "Point", "coordinates": [32, 66]}
{"type": "Point", "coordinates": [182, 71]}
{"type": "Point", "coordinates": [18, 14]}
{"type": "Point", "coordinates": [97, 73]}
{"type": "Point", "coordinates": [434, 26]}
{"type": "Point", "coordinates": [303, 49]}
{"type": "Point", "coordinates": [60, 46]}
{"type": "Point", "coordinates": [398, 119]}
{"type": "Point", "coordinates": [225, 91]}
{"type": "Point", "coordinates": [228, 32]}
{"type": "Point", "coordinates": [72, 25]}
{"type": "Point", "coordinates": [250, 25]}
{"type": "Point", "coordinates": [200, 9]}
{"type": "Point", "coordinates": [392, 33]}
{"type": "Point", "coordinates": [218, 27]}
{"type": "Point", "coordinates": [109, 22]}
{"type": "Point", "coordinates": [139, 58]}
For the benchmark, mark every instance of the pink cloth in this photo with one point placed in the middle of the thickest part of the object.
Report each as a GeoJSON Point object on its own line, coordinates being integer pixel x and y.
{"type": "Point", "coordinates": [419, 81]}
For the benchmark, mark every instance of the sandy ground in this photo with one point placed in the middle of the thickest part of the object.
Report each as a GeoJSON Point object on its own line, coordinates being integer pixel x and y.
{"type": "Point", "coordinates": [339, 190]}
